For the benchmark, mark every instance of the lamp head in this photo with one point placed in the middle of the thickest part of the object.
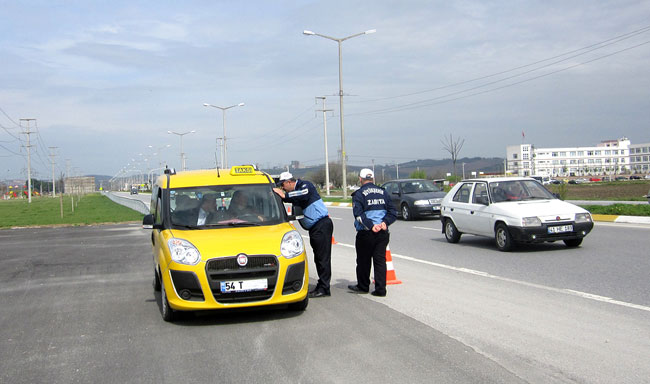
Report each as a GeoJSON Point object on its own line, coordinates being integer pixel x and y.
{"type": "Point", "coordinates": [306, 32]}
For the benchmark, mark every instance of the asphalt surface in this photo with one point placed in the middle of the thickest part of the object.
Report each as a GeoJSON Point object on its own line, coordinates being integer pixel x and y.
{"type": "Point", "coordinates": [78, 306]}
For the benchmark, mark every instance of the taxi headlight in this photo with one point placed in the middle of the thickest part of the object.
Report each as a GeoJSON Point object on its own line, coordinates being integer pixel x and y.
{"type": "Point", "coordinates": [291, 245]}
{"type": "Point", "coordinates": [533, 221]}
{"type": "Point", "coordinates": [583, 217]}
{"type": "Point", "coordinates": [421, 202]}
{"type": "Point", "coordinates": [183, 252]}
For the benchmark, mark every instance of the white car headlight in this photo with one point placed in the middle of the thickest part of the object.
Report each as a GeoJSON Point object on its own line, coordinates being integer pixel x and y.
{"type": "Point", "coordinates": [533, 221]}
{"type": "Point", "coordinates": [583, 217]}
{"type": "Point", "coordinates": [421, 202]}
{"type": "Point", "coordinates": [435, 201]}
{"type": "Point", "coordinates": [183, 252]}
{"type": "Point", "coordinates": [291, 245]}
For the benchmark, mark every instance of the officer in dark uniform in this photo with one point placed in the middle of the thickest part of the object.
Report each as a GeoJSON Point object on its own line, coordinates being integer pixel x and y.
{"type": "Point", "coordinates": [317, 221]}
{"type": "Point", "coordinates": [373, 212]}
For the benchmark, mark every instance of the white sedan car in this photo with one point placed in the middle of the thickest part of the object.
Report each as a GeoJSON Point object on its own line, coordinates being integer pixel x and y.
{"type": "Point", "coordinates": [512, 210]}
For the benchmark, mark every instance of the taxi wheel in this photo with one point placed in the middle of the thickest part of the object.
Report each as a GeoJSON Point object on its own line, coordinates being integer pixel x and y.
{"type": "Point", "coordinates": [573, 242]}
{"type": "Point", "coordinates": [406, 212]}
{"type": "Point", "coordinates": [156, 281]}
{"type": "Point", "coordinates": [451, 232]}
{"type": "Point", "coordinates": [167, 312]}
{"type": "Point", "coordinates": [300, 306]}
{"type": "Point", "coordinates": [502, 238]}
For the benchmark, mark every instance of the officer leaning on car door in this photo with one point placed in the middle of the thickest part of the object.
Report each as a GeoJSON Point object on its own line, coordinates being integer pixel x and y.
{"type": "Point", "coordinates": [373, 212]}
{"type": "Point", "coordinates": [317, 221]}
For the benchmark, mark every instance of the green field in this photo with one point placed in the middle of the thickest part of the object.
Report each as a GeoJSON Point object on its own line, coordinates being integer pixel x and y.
{"type": "Point", "coordinates": [89, 209]}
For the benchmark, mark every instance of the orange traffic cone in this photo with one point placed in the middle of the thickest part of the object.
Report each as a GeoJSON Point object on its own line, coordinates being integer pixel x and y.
{"type": "Point", "coordinates": [391, 278]}
{"type": "Point", "coordinates": [334, 241]}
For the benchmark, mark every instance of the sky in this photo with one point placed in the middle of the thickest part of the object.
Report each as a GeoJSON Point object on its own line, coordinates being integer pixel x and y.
{"type": "Point", "coordinates": [107, 80]}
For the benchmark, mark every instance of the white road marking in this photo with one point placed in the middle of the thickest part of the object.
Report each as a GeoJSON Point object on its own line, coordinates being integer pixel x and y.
{"type": "Point", "coordinates": [428, 229]}
{"type": "Point", "coordinates": [584, 295]}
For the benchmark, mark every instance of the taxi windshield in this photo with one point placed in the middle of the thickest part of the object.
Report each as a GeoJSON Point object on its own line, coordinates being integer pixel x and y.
{"type": "Point", "coordinates": [224, 206]}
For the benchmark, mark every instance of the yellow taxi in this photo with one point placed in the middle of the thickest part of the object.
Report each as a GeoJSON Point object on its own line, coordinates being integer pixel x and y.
{"type": "Point", "coordinates": [223, 239]}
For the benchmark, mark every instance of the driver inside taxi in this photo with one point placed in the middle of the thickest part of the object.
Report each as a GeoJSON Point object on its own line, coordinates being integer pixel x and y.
{"type": "Point", "coordinates": [239, 206]}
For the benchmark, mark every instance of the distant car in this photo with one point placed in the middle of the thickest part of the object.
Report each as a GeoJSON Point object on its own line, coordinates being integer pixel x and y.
{"type": "Point", "coordinates": [635, 177]}
{"type": "Point", "coordinates": [620, 178]}
{"type": "Point", "coordinates": [513, 211]}
{"type": "Point", "coordinates": [134, 191]}
{"type": "Point", "coordinates": [595, 179]}
{"type": "Point", "coordinates": [415, 198]}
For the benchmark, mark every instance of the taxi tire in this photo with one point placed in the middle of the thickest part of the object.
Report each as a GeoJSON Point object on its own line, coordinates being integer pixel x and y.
{"type": "Point", "coordinates": [168, 314]}
{"type": "Point", "coordinates": [502, 238]}
{"type": "Point", "coordinates": [299, 306]}
{"type": "Point", "coordinates": [156, 281]}
{"type": "Point", "coordinates": [572, 243]}
{"type": "Point", "coordinates": [451, 232]}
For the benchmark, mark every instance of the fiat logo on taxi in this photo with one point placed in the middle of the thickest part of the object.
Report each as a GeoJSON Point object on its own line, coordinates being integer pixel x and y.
{"type": "Point", "coordinates": [242, 260]}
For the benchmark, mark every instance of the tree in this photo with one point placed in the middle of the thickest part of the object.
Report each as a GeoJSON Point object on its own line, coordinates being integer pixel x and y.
{"type": "Point", "coordinates": [453, 147]}
{"type": "Point", "coordinates": [419, 174]}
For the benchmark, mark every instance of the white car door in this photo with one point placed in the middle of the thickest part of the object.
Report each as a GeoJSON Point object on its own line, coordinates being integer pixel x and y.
{"type": "Point", "coordinates": [479, 213]}
{"type": "Point", "coordinates": [459, 207]}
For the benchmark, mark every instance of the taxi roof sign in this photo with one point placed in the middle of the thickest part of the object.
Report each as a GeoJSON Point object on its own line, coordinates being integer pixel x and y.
{"type": "Point", "coordinates": [242, 170]}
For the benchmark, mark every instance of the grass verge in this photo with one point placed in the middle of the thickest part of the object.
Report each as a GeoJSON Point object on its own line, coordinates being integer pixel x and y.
{"type": "Point", "coordinates": [89, 209]}
{"type": "Point", "coordinates": [619, 209]}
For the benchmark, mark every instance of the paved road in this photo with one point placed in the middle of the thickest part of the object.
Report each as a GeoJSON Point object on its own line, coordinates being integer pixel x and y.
{"type": "Point", "coordinates": [77, 306]}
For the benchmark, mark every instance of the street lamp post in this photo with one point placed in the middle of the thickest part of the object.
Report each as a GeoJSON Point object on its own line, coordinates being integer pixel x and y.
{"type": "Point", "coordinates": [327, 165]}
{"type": "Point", "coordinates": [224, 152]}
{"type": "Point", "coordinates": [339, 41]}
{"type": "Point", "coordinates": [182, 154]}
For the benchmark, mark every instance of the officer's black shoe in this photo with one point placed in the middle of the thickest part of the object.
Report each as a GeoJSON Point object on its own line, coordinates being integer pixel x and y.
{"type": "Point", "coordinates": [379, 294]}
{"type": "Point", "coordinates": [318, 293]}
{"type": "Point", "coordinates": [356, 289]}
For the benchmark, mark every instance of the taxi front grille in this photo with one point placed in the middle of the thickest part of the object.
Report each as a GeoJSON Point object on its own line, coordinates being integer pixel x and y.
{"type": "Point", "coordinates": [226, 269]}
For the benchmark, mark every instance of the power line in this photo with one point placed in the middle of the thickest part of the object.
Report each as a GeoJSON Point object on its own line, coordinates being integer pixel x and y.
{"type": "Point", "coordinates": [587, 49]}
{"type": "Point", "coordinates": [430, 102]}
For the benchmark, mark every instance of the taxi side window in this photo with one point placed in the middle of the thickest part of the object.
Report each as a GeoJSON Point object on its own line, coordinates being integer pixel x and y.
{"type": "Point", "coordinates": [462, 195]}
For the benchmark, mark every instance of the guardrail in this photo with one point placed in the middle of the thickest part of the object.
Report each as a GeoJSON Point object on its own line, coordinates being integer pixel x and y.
{"type": "Point", "coordinates": [135, 204]}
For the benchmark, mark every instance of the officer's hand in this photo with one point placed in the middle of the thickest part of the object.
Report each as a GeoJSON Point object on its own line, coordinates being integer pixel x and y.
{"type": "Point", "coordinates": [279, 192]}
{"type": "Point", "coordinates": [383, 226]}
{"type": "Point", "coordinates": [376, 228]}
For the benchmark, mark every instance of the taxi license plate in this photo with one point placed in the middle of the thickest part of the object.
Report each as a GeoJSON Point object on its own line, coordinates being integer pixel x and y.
{"type": "Point", "coordinates": [244, 285]}
{"type": "Point", "coordinates": [560, 229]}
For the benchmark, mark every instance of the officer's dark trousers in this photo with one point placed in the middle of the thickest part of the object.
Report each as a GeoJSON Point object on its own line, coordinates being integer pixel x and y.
{"type": "Point", "coordinates": [320, 238]}
{"type": "Point", "coordinates": [371, 245]}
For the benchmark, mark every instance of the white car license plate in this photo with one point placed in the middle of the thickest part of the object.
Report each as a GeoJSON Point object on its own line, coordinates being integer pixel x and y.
{"type": "Point", "coordinates": [244, 285]}
{"type": "Point", "coordinates": [560, 229]}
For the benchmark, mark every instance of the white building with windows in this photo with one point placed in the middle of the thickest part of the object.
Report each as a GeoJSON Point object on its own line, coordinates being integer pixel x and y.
{"type": "Point", "coordinates": [610, 157]}
{"type": "Point", "coordinates": [640, 158]}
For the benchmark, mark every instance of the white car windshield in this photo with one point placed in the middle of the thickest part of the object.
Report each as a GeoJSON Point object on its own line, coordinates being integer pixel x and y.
{"type": "Point", "coordinates": [518, 190]}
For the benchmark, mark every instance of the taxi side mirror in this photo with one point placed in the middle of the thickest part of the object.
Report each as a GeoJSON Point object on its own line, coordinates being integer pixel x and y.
{"type": "Point", "coordinates": [148, 222]}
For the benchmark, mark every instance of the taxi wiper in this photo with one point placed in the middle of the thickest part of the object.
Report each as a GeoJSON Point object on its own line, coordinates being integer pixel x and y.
{"type": "Point", "coordinates": [246, 224]}
{"type": "Point", "coordinates": [186, 226]}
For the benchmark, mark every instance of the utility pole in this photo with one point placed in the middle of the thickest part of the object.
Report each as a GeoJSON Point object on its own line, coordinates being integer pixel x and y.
{"type": "Point", "coordinates": [29, 160]}
{"type": "Point", "coordinates": [327, 162]}
{"type": "Point", "coordinates": [53, 179]}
